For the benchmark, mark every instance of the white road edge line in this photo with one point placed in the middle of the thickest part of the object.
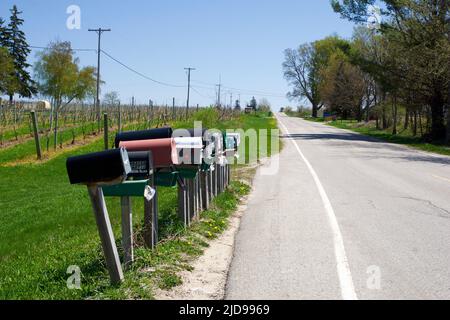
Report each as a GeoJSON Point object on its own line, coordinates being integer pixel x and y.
{"type": "Point", "coordinates": [343, 269]}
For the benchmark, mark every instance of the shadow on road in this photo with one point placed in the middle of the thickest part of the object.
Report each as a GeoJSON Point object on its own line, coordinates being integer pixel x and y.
{"type": "Point", "coordinates": [346, 139]}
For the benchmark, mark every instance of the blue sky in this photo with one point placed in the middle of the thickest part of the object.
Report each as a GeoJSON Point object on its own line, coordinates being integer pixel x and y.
{"type": "Point", "coordinates": [240, 40]}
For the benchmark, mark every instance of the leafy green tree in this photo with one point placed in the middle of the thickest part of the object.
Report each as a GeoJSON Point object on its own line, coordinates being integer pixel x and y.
{"type": "Point", "coordinates": [8, 81]}
{"type": "Point", "coordinates": [417, 33]}
{"type": "Point", "coordinates": [59, 76]}
{"type": "Point", "coordinates": [342, 87]}
{"type": "Point", "coordinates": [302, 68]}
{"type": "Point", "coordinates": [15, 41]}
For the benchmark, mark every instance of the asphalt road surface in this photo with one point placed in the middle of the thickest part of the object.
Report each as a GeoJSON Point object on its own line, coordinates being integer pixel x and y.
{"type": "Point", "coordinates": [346, 217]}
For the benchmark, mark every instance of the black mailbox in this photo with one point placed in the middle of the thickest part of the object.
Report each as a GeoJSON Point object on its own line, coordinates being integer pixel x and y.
{"type": "Point", "coordinates": [111, 166]}
{"type": "Point", "coordinates": [152, 134]}
{"type": "Point", "coordinates": [141, 163]}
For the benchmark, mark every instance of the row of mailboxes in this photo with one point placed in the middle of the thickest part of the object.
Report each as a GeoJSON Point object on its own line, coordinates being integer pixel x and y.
{"type": "Point", "coordinates": [141, 161]}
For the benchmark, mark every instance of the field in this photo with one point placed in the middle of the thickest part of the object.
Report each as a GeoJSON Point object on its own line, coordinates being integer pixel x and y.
{"type": "Point", "coordinates": [47, 225]}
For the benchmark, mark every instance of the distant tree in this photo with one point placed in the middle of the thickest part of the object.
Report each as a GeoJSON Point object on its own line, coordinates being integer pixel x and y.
{"type": "Point", "coordinates": [417, 32]}
{"type": "Point", "coordinates": [302, 74]}
{"type": "Point", "coordinates": [302, 68]}
{"type": "Point", "coordinates": [59, 76]}
{"type": "Point", "coordinates": [343, 87]}
{"type": "Point", "coordinates": [111, 98]}
{"type": "Point", "coordinates": [237, 105]}
{"type": "Point", "coordinates": [8, 81]}
{"type": "Point", "coordinates": [253, 104]}
{"type": "Point", "coordinates": [264, 105]}
{"type": "Point", "coordinates": [15, 41]}
{"type": "Point", "coordinates": [2, 33]}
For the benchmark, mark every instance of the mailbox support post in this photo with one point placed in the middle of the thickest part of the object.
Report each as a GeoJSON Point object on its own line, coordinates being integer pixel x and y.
{"type": "Point", "coordinates": [36, 135]}
{"type": "Point", "coordinates": [191, 198]}
{"type": "Point", "coordinates": [204, 190]}
{"type": "Point", "coordinates": [127, 231]}
{"type": "Point", "coordinates": [106, 234]}
{"type": "Point", "coordinates": [214, 180]}
{"type": "Point", "coordinates": [151, 219]}
{"type": "Point", "coordinates": [182, 203]}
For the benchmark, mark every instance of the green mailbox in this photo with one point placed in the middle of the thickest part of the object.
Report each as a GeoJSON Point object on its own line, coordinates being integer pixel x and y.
{"type": "Point", "coordinates": [126, 189]}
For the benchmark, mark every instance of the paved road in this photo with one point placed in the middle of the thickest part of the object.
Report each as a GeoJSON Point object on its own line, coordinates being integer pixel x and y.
{"type": "Point", "coordinates": [346, 217]}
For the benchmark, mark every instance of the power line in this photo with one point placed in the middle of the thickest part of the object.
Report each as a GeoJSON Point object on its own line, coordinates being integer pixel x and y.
{"type": "Point", "coordinates": [141, 74]}
{"type": "Point", "coordinates": [73, 49]}
{"type": "Point", "coordinates": [211, 86]}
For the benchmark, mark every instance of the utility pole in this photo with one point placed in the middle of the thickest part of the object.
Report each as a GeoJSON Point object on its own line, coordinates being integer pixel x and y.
{"type": "Point", "coordinates": [218, 95]}
{"type": "Point", "coordinates": [189, 89]}
{"type": "Point", "coordinates": [99, 32]}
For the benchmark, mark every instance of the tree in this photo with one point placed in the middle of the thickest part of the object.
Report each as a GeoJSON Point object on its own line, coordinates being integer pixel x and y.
{"type": "Point", "coordinates": [237, 105]}
{"type": "Point", "coordinates": [264, 105]}
{"type": "Point", "coordinates": [418, 31]}
{"type": "Point", "coordinates": [302, 74]}
{"type": "Point", "coordinates": [253, 104]}
{"type": "Point", "coordinates": [111, 98]}
{"type": "Point", "coordinates": [2, 33]}
{"type": "Point", "coordinates": [59, 76]}
{"type": "Point", "coordinates": [342, 87]}
{"type": "Point", "coordinates": [302, 68]}
{"type": "Point", "coordinates": [8, 81]}
{"type": "Point", "coordinates": [15, 41]}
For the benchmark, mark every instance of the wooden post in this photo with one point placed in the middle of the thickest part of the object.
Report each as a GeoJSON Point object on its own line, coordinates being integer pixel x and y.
{"type": "Point", "coordinates": [210, 185]}
{"type": "Point", "coordinates": [191, 197]}
{"type": "Point", "coordinates": [151, 220]}
{"type": "Point", "coordinates": [106, 234]}
{"type": "Point", "coordinates": [229, 174]}
{"type": "Point", "coordinates": [36, 135]}
{"type": "Point", "coordinates": [214, 180]}
{"type": "Point", "coordinates": [55, 131]}
{"type": "Point", "coordinates": [173, 109]}
{"type": "Point", "coordinates": [105, 130]}
{"type": "Point", "coordinates": [127, 231]}
{"type": "Point", "coordinates": [198, 196]}
{"type": "Point", "coordinates": [204, 190]}
{"type": "Point", "coordinates": [182, 204]}
{"type": "Point", "coordinates": [120, 119]}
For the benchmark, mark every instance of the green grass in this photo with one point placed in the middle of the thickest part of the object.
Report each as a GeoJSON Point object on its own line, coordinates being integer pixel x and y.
{"type": "Point", "coordinates": [404, 137]}
{"type": "Point", "coordinates": [47, 225]}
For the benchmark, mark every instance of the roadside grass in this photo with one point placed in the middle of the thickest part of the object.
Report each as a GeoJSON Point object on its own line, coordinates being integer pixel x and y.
{"type": "Point", "coordinates": [47, 226]}
{"type": "Point", "coordinates": [404, 137]}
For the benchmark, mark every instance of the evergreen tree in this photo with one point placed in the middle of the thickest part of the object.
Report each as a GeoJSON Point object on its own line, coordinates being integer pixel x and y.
{"type": "Point", "coordinates": [18, 48]}
{"type": "Point", "coordinates": [2, 33]}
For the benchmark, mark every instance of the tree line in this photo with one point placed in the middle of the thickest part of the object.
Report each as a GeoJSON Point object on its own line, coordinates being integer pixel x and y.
{"type": "Point", "coordinates": [402, 64]}
{"type": "Point", "coordinates": [57, 72]}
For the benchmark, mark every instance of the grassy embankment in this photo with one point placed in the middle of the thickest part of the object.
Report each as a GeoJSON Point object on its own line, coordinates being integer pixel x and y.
{"type": "Point", "coordinates": [46, 225]}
